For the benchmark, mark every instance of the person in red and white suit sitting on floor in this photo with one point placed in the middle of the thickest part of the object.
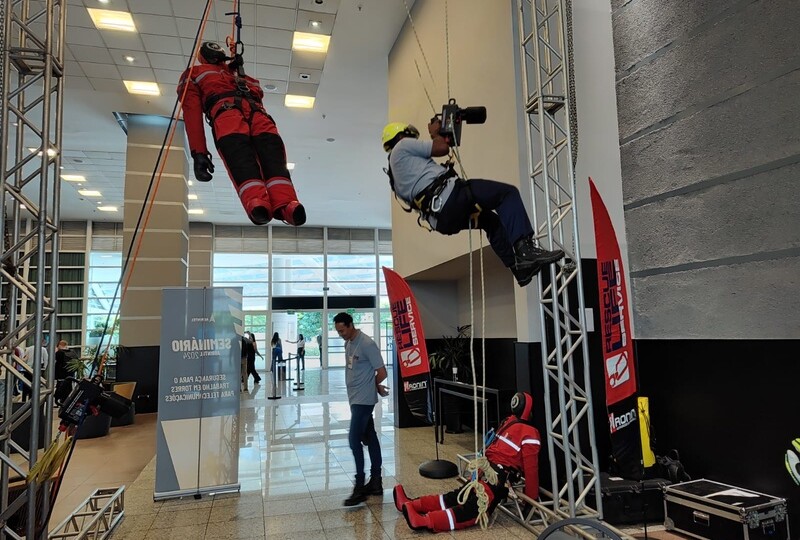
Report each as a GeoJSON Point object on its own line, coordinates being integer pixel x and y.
{"type": "Point", "coordinates": [513, 451]}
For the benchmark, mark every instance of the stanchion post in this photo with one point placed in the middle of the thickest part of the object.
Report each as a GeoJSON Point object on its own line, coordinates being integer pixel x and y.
{"type": "Point", "coordinates": [274, 381]}
{"type": "Point", "coordinates": [299, 385]}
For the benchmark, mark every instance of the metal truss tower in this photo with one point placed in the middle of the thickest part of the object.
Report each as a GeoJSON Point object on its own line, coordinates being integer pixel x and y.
{"type": "Point", "coordinates": [545, 34]}
{"type": "Point", "coordinates": [31, 88]}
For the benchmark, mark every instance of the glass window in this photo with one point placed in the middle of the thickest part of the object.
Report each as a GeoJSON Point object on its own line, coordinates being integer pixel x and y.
{"type": "Point", "coordinates": [352, 274]}
{"type": "Point", "coordinates": [105, 269]}
{"type": "Point", "coordinates": [295, 260]}
{"type": "Point", "coordinates": [240, 260]}
{"type": "Point", "coordinates": [236, 275]}
{"type": "Point", "coordinates": [101, 258]}
{"type": "Point", "coordinates": [351, 261]}
{"type": "Point", "coordinates": [298, 274]}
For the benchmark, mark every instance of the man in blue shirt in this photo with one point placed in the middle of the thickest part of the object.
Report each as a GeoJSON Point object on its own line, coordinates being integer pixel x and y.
{"type": "Point", "coordinates": [449, 203]}
{"type": "Point", "coordinates": [364, 373]}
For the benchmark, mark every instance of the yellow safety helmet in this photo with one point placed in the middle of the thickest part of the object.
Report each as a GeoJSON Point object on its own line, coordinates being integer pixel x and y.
{"type": "Point", "coordinates": [392, 130]}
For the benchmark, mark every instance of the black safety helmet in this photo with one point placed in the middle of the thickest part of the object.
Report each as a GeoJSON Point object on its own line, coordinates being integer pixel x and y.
{"type": "Point", "coordinates": [522, 406]}
{"type": "Point", "coordinates": [212, 53]}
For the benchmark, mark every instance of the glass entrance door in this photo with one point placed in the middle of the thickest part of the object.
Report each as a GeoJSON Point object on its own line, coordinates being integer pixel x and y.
{"type": "Point", "coordinates": [363, 320]}
{"type": "Point", "coordinates": [290, 325]}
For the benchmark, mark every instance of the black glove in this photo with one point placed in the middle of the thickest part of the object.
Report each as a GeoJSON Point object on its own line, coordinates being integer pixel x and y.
{"type": "Point", "coordinates": [202, 167]}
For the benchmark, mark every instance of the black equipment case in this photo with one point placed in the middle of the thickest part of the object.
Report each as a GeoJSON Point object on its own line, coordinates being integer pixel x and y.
{"type": "Point", "coordinates": [629, 502]}
{"type": "Point", "coordinates": [714, 511]}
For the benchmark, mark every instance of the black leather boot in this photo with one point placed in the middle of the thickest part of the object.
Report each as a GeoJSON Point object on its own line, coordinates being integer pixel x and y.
{"type": "Point", "coordinates": [531, 257]}
{"type": "Point", "coordinates": [524, 275]}
{"type": "Point", "coordinates": [359, 494]}
{"type": "Point", "coordinates": [374, 486]}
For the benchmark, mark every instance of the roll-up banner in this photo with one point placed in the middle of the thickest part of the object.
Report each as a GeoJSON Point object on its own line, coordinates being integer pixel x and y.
{"type": "Point", "coordinates": [199, 381]}
{"type": "Point", "coordinates": [617, 341]}
{"type": "Point", "coordinates": [412, 354]}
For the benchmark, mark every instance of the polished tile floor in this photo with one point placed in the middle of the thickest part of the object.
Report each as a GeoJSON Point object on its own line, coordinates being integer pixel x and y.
{"type": "Point", "coordinates": [295, 469]}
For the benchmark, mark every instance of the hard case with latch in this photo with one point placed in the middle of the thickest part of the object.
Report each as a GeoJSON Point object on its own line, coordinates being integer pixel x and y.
{"type": "Point", "coordinates": [714, 511]}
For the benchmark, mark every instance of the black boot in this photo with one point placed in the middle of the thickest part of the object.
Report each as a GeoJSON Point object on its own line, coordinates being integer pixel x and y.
{"type": "Point", "coordinates": [531, 257]}
{"type": "Point", "coordinates": [359, 494]}
{"type": "Point", "coordinates": [374, 486]}
{"type": "Point", "coordinates": [523, 275]}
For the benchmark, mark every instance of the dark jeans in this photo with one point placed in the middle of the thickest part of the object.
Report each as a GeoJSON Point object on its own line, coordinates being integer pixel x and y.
{"type": "Point", "coordinates": [363, 427]}
{"type": "Point", "coordinates": [251, 369]}
{"type": "Point", "coordinates": [503, 215]}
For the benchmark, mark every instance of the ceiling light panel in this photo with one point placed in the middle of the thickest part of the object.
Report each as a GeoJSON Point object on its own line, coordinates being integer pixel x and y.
{"type": "Point", "coordinates": [106, 19]}
{"type": "Point", "coordinates": [90, 193]}
{"type": "Point", "coordinates": [73, 177]}
{"type": "Point", "coordinates": [107, 208]}
{"type": "Point", "coordinates": [195, 211]}
{"type": "Point", "coordinates": [144, 88]}
{"type": "Point", "coordinates": [306, 41]}
{"type": "Point", "coordinates": [300, 102]}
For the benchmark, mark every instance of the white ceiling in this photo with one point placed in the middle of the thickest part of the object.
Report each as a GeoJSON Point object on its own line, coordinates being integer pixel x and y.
{"type": "Point", "coordinates": [341, 182]}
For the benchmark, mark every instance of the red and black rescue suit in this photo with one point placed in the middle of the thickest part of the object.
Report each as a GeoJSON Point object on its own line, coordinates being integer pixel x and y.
{"type": "Point", "coordinates": [245, 136]}
{"type": "Point", "coordinates": [513, 451]}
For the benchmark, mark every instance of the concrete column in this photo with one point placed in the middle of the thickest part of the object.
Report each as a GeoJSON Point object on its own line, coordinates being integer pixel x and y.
{"type": "Point", "coordinates": [162, 259]}
{"type": "Point", "coordinates": [201, 253]}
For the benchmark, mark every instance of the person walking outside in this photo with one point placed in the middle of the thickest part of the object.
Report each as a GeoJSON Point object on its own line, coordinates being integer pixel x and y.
{"type": "Point", "coordinates": [364, 373]}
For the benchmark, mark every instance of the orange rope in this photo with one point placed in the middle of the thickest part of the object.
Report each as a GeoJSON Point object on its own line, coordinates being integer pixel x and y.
{"type": "Point", "coordinates": [152, 200]}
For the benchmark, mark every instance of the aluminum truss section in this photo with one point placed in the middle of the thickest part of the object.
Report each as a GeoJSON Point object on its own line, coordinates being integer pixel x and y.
{"type": "Point", "coordinates": [545, 68]}
{"type": "Point", "coordinates": [30, 157]}
{"type": "Point", "coordinates": [95, 518]}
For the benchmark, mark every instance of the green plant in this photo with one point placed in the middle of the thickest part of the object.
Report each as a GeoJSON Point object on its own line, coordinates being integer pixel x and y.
{"type": "Point", "coordinates": [453, 353]}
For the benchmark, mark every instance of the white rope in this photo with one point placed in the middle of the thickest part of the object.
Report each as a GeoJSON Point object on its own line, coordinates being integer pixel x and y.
{"type": "Point", "coordinates": [419, 44]}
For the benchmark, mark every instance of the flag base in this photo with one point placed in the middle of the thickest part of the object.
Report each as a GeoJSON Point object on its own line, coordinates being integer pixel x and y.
{"type": "Point", "coordinates": [438, 468]}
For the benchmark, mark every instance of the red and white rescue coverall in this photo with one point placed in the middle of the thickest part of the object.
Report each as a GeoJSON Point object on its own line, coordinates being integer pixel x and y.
{"type": "Point", "coordinates": [514, 450]}
{"type": "Point", "coordinates": [245, 136]}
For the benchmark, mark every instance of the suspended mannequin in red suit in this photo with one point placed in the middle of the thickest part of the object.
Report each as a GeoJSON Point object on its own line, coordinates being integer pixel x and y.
{"type": "Point", "coordinates": [245, 136]}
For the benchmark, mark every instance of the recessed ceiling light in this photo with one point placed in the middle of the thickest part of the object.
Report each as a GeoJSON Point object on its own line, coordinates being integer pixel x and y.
{"type": "Point", "coordinates": [107, 208]}
{"type": "Point", "coordinates": [314, 24]}
{"type": "Point", "coordinates": [270, 87]}
{"type": "Point", "coordinates": [330, 139]}
{"type": "Point", "coordinates": [190, 182]}
{"type": "Point", "coordinates": [142, 87]}
{"type": "Point", "coordinates": [290, 166]}
{"type": "Point", "coordinates": [305, 76]}
{"type": "Point", "coordinates": [105, 19]}
{"type": "Point", "coordinates": [195, 211]}
{"type": "Point", "coordinates": [303, 41]}
{"type": "Point", "coordinates": [23, 207]}
{"type": "Point", "coordinates": [103, 1]}
{"type": "Point", "coordinates": [90, 193]}
{"type": "Point", "coordinates": [301, 102]}
{"type": "Point", "coordinates": [192, 197]}
{"type": "Point", "coordinates": [14, 124]}
{"type": "Point", "coordinates": [130, 58]}
{"type": "Point", "coordinates": [73, 178]}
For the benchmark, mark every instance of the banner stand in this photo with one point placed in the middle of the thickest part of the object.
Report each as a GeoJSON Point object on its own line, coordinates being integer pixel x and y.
{"type": "Point", "coordinates": [197, 432]}
{"type": "Point", "coordinates": [414, 368]}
